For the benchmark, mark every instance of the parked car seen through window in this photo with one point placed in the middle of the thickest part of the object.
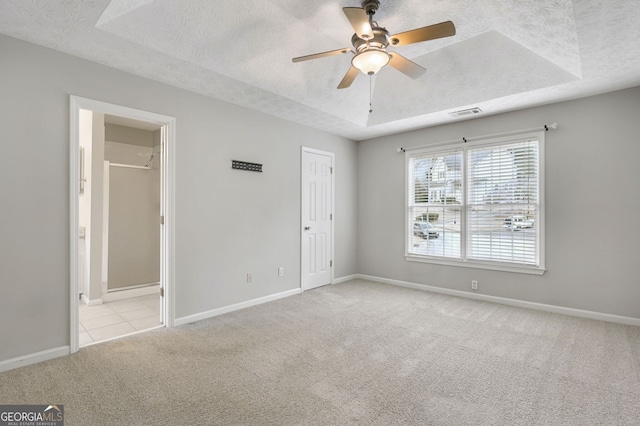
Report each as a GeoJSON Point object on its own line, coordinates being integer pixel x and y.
{"type": "Point", "coordinates": [425, 230]}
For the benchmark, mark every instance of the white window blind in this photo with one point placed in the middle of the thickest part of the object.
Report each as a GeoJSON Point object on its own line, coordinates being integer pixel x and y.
{"type": "Point", "coordinates": [477, 202]}
{"type": "Point", "coordinates": [502, 213]}
{"type": "Point", "coordinates": [436, 185]}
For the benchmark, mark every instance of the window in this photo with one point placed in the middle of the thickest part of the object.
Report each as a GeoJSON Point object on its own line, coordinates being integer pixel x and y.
{"type": "Point", "coordinates": [478, 204]}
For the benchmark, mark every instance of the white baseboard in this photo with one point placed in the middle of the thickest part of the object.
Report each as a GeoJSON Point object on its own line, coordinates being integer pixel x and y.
{"type": "Point", "coordinates": [226, 309]}
{"type": "Point", "coordinates": [90, 302]}
{"type": "Point", "coordinates": [345, 279]}
{"type": "Point", "coordinates": [132, 292]}
{"type": "Point", "coordinates": [511, 302]}
{"type": "Point", "coordinates": [25, 360]}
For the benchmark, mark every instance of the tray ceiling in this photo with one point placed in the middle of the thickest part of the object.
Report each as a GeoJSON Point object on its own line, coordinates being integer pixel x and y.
{"type": "Point", "coordinates": [507, 54]}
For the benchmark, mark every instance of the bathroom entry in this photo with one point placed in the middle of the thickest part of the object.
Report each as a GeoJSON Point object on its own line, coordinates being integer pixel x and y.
{"type": "Point", "coordinates": [122, 194]}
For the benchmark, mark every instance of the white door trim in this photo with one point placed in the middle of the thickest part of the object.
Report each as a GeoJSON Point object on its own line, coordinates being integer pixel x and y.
{"type": "Point", "coordinates": [333, 206]}
{"type": "Point", "coordinates": [167, 273]}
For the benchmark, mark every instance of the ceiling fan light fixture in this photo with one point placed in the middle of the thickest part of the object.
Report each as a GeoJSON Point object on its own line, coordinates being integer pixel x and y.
{"type": "Point", "coordinates": [370, 42]}
{"type": "Point", "coordinates": [370, 61]}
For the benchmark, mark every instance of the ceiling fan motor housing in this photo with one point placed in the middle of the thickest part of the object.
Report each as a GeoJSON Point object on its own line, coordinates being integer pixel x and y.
{"type": "Point", "coordinates": [380, 40]}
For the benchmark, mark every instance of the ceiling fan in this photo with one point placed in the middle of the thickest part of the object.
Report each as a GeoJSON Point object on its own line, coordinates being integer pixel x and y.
{"type": "Point", "coordinates": [370, 43]}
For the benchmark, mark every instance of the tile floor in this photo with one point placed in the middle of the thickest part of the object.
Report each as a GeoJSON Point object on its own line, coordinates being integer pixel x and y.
{"type": "Point", "coordinates": [113, 319]}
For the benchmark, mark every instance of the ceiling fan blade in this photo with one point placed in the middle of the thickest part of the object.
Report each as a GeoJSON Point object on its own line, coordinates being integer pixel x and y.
{"type": "Point", "coordinates": [359, 21]}
{"type": "Point", "coordinates": [405, 66]}
{"type": "Point", "coordinates": [432, 32]}
{"type": "Point", "coordinates": [348, 78]}
{"type": "Point", "coordinates": [321, 55]}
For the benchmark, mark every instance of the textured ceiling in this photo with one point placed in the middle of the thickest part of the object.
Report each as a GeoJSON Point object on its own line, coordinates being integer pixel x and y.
{"type": "Point", "coordinates": [507, 54]}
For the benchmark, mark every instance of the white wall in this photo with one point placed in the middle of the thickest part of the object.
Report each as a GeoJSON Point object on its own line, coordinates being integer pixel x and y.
{"type": "Point", "coordinates": [97, 231]}
{"type": "Point", "coordinates": [91, 212]}
{"type": "Point", "coordinates": [84, 198]}
{"type": "Point", "coordinates": [592, 205]}
{"type": "Point", "coordinates": [228, 222]}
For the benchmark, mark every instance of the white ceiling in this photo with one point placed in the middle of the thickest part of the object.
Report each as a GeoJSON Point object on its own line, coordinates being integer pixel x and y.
{"type": "Point", "coordinates": [506, 55]}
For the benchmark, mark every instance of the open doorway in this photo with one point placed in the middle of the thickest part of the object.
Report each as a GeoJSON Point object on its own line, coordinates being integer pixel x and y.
{"type": "Point", "coordinates": [121, 221]}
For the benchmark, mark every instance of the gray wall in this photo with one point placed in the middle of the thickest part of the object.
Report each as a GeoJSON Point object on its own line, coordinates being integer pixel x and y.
{"type": "Point", "coordinates": [228, 222]}
{"type": "Point", "coordinates": [592, 205]}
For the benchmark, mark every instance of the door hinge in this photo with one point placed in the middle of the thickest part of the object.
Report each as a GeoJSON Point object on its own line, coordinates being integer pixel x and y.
{"type": "Point", "coordinates": [161, 291]}
{"type": "Point", "coordinates": [331, 216]}
{"type": "Point", "coordinates": [161, 220]}
{"type": "Point", "coordinates": [331, 263]}
{"type": "Point", "coordinates": [331, 170]}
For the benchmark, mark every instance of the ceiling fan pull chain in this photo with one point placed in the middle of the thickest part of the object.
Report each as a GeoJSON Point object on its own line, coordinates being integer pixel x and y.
{"type": "Point", "coordinates": [370, 94]}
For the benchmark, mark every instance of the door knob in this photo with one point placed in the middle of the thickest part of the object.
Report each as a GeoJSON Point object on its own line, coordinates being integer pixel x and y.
{"type": "Point", "coordinates": [307, 228]}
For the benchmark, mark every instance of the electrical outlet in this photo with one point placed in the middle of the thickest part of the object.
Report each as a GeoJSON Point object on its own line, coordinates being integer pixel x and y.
{"type": "Point", "coordinates": [249, 278]}
{"type": "Point", "coordinates": [281, 271]}
{"type": "Point", "coordinates": [474, 285]}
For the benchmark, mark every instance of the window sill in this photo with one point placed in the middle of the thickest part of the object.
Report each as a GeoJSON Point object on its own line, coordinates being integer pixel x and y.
{"type": "Point", "coordinates": [520, 269]}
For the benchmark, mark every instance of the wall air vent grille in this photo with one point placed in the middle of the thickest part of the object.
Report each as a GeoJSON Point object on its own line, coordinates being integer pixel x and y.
{"type": "Point", "coordinates": [243, 165]}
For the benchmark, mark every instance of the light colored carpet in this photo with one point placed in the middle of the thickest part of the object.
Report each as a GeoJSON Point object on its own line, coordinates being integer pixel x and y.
{"type": "Point", "coordinates": [355, 353]}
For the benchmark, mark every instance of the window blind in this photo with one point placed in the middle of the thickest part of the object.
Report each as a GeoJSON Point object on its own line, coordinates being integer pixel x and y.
{"type": "Point", "coordinates": [503, 195]}
{"type": "Point", "coordinates": [477, 202]}
{"type": "Point", "coordinates": [435, 204]}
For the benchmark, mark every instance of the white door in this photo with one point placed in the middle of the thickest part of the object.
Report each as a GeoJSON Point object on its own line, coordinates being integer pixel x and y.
{"type": "Point", "coordinates": [317, 216]}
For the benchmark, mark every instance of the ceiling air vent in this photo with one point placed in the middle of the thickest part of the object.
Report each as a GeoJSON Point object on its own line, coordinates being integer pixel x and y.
{"type": "Point", "coordinates": [466, 112]}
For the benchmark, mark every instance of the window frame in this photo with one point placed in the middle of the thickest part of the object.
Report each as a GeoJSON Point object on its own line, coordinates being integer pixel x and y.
{"type": "Point", "coordinates": [464, 146]}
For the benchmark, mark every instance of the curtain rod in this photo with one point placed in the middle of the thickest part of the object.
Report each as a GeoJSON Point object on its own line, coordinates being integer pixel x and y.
{"type": "Point", "coordinates": [545, 127]}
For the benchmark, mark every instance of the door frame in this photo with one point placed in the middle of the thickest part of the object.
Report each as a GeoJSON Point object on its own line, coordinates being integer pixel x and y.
{"type": "Point", "coordinates": [167, 207]}
{"type": "Point", "coordinates": [332, 155]}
